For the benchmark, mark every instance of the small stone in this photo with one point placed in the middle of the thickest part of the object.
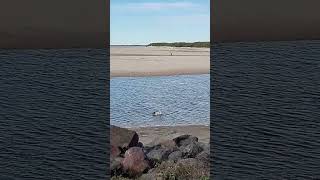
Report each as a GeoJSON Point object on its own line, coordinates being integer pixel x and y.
{"type": "Point", "coordinates": [175, 156]}
{"type": "Point", "coordinates": [135, 162]}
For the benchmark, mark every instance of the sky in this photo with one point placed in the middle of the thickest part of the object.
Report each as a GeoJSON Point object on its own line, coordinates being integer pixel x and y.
{"type": "Point", "coordinates": [140, 22]}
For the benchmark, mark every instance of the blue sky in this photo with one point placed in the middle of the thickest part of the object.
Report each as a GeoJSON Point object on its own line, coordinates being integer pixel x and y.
{"type": "Point", "coordinates": [146, 21]}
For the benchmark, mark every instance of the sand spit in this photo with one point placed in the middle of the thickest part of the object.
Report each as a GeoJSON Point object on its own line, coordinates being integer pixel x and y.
{"type": "Point", "coordinates": [158, 61]}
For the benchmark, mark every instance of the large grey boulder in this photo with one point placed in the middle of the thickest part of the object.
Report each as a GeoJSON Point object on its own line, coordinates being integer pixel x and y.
{"type": "Point", "coordinates": [191, 150]}
{"type": "Point", "coordinates": [185, 140]}
{"type": "Point", "coordinates": [158, 155]}
{"type": "Point", "coordinates": [175, 156]}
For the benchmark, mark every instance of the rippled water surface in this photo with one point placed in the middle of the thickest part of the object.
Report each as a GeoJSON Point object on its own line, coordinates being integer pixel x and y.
{"type": "Point", "coordinates": [53, 114]}
{"type": "Point", "coordinates": [265, 118]}
{"type": "Point", "coordinates": [183, 100]}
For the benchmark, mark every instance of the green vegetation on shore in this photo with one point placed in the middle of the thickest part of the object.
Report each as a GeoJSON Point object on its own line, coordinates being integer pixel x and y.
{"type": "Point", "coordinates": [183, 44]}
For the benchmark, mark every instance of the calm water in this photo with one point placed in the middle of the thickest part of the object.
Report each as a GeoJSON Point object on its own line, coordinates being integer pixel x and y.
{"type": "Point", "coordinates": [265, 118]}
{"type": "Point", "coordinates": [53, 114]}
{"type": "Point", "coordinates": [183, 100]}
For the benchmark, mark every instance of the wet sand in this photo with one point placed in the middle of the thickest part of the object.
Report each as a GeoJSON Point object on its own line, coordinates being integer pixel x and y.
{"type": "Point", "coordinates": [158, 61]}
{"type": "Point", "coordinates": [154, 135]}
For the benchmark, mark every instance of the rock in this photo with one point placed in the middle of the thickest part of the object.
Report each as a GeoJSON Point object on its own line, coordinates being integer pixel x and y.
{"type": "Point", "coordinates": [188, 141]}
{"type": "Point", "coordinates": [204, 146]}
{"type": "Point", "coordinates": [180, 138]}
{"type": "Point", "coordinates": [169, 145]}
{"type": "Point", "coordinates": [123, 138]}
{"type": "Point", "coordinates": [175, 156]}
{"type": "Point", "coordinates": [204, 156]}
{"type": "Point", "coordinates": [134, 162]}
{"type": "Point", "coordinates": [147, 149]}
{"type": "Point", "coordinates": [115, 166]}
{"type": "Point", "coordinates": [140, 144]}
{"type": "Point", "coordinates": [191, 150]}
{"type": "Point", "coordinates": [158, 155]}
{"type": "Point", "coordinates": [185, 140]}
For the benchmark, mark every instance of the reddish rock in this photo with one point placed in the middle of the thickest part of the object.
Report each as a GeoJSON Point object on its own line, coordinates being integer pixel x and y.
{"type": "Point", "coordinates": [134, 162]}
{"type": "Point", "coordinates": [123, 138]}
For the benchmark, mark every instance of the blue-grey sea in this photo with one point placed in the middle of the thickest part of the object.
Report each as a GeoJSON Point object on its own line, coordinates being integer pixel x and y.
{"type": "Point", "coordinates": [54, 116]}
{"type": "Point", "coordinates": [265, 116]}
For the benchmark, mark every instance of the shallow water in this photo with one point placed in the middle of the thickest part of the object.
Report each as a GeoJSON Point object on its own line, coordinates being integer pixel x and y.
{"type": "Point", "coordinates": [265, 118]}
{"type": "Point", "coordinates": [182, 100]}
{"type": "Point", "coordinates": [53, 114]}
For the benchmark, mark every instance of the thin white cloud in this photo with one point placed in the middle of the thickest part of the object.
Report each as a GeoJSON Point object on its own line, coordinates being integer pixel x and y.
{"type": "Point", "coordinates": [156, 6]}
{"type": "Point", "coordinates": [161, 5]}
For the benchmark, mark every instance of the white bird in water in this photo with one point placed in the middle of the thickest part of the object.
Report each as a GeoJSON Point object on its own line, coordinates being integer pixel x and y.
{"type": "Point", "coordinates": [157, 113]}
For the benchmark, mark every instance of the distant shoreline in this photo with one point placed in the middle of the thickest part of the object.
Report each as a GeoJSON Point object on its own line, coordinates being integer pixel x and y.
{"type": "Point", "coordinates": [199, 44]}
{"type": "Point", "coordinates": [183, 44]}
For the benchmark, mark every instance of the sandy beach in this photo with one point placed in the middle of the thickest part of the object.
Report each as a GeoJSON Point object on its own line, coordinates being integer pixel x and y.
{"type": "Point", "coordinates": [158, 61]}
{"type": "Point", "coordinates": [154, 135]}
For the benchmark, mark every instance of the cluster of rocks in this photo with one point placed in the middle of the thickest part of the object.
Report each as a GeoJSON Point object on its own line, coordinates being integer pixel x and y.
{"type": "Point", "coordinates": [130, 158]}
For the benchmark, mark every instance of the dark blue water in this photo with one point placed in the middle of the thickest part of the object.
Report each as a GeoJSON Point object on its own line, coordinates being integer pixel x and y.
{"type": "Point", "coordinates": [265, 118]}
{"type": "Point", "coordinates": [183, 100]}
{"type": "Point", "coordinates": [54, 114]}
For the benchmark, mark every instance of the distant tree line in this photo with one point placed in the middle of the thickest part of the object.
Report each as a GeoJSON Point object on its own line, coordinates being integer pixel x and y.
{"type": "Point", "coordinates": [183, 44]}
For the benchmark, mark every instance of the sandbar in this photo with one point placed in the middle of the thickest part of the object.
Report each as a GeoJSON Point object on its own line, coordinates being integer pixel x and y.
{"type": "Point", "coordinates": [129, 61]}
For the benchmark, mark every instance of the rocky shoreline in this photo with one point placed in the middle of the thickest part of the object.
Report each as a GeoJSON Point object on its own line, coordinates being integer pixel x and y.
{"type": "Point", "coordinates": [182, 157]}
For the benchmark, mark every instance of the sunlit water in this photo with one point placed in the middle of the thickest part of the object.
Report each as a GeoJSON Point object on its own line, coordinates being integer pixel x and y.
{"type": "Point", "coordinates": [182, 100]}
